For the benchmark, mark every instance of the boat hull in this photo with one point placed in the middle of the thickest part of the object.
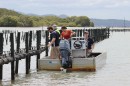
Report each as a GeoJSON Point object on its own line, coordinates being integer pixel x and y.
{"type": "Point", "coordinates": [92, 63]}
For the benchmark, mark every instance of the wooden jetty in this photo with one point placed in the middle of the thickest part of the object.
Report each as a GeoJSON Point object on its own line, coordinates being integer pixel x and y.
{"type": "Point", "coordinates": [13, 56]}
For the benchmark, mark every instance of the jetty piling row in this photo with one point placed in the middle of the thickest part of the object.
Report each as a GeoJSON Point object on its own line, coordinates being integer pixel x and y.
{"type": "Point", "coordinates": [119, 29]}
{"type": "Point", "coordinates": [1, 52]}
{"type": "Point", "coordinates": [17, 51]}
{"type": "Point", "coordinates": [14, 56]}
{"type": "Point", "coordinates": [97, 34]}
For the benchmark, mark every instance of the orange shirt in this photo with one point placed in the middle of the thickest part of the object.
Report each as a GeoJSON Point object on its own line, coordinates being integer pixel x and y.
{"type": "Point", "coordinates": [66, 34]}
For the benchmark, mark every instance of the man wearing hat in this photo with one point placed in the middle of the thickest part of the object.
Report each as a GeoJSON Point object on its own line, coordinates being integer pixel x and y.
{"type": "Point", "coordinates": [89, 43]}
{"type": "Point", "coordinates": [56, 29]}
{"type": "Point", "coordinates": [54, 43]}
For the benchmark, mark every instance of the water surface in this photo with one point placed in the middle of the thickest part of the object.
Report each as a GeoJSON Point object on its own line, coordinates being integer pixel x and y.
{"type": "Point", "coordinates": [114, 73]}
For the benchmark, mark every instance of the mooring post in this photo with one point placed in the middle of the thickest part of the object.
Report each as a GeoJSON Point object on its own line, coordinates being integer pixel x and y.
{"type": "Point", "coordinates": [108, 32]}
{"type": "Point", "coordinates": [18, 47]}
{"type": "Point", "coordinates": [38, 45]}
{"type": "Point", "coordinates": [90, 32]}
{"type": "Point", "coordinates": [80, 32]}
{"type": "Point", "coordinates": [27, 59]}
{"type": "Point", "coordinates": [97, 35]}
{"type": "Point", "coordinates": [30, 45]}
{"type": "Point", "coordinates": [93, 35]}
{"type": "Point", "coordinates": [46, 42]}
{"type": "Point", "coordinates": [104, 33]}
{"type": "Point", "coordinates": [12, 55]}
{"type": "Point", "coordinates": [6, 38]}
{"type": "Point", "coordinates": [101, 36]}
{"type": "Point", "coordinates": [1, 52]}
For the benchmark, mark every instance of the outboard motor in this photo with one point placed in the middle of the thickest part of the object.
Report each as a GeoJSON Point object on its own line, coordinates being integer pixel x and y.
{"type": "Point", "coordinates": [65, 53]}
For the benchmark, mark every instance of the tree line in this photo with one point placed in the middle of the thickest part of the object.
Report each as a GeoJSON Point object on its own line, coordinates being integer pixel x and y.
{"type": "Point", "coordinates": [10, 18]}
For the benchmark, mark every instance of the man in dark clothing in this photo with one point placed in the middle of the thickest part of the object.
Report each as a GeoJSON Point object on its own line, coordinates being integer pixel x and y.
{"type": "Point", "coordinates": [54, 43]}
{"type": "Point", "coordinates": [56, 29]}
{"type": "Point", "coordinates": [89, 43]}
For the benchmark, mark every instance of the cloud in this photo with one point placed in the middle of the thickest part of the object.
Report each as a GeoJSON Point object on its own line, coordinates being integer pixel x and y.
{"type": "Point", "coordinates": [65, 3]}
{"type": "Point", "coordinates": [117, 3]}
{"type": "Point", "coordinates": [69, 7]}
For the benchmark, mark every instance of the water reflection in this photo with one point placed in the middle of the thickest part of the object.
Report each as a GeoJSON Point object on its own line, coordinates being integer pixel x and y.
{"type": "Point", "coordinates": [48, 78]}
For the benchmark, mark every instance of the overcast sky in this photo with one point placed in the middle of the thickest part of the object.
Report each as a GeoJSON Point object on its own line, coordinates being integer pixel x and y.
{"type": "Point", "coordinates": [101, 9]}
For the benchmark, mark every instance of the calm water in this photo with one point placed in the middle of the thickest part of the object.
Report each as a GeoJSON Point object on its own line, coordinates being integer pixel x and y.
{"type": "Point", "coordinates": [114, 73]}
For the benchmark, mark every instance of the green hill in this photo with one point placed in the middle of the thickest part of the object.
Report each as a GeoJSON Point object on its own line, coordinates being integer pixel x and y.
{"type": "Point", "coordinates": [4, 12]}
{"type": "Point", "coordinates": [10, 18]}
{"type": "Point", "coordinates": [111, 22]}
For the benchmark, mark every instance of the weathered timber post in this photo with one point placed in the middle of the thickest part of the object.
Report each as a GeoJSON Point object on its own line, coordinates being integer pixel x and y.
{"type": "Point", "coordinates": [1, 52]}
{"type": "Point", "coordinates": [38, 45]}
{"type": "Point", "coordinates": [30, 45]}
{"type": "Point", "coordinates": [27, 59]}
{"type": "Point", "coordinates": [97, 34]}
{"type": "Point", "coordinates": [17, 51]}
{"type": "Point", "coordinates": [90, 33]}
{"type": "Point", "coordinates": [105, 34]}
{"type": "Point", "coordinates": [108, 32]}
{"type": "Point", "coordinates": [80, 31]}
{"type": "Point", "coordinates": [12, 55]}
{"type": "Point", "coordinates": [6, 38]}
{"type": "Point", "coordinates": [46, 42]}
{"type": "Point", "coordinates": [94, 38]}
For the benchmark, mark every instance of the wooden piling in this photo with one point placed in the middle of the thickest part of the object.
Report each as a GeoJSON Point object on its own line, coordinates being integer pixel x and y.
{"type": "Point", "coordinates": [27, 47]}
{"type": "Point", "coordinates": [30, 45]}
{"type": "Point", "coordinates": [12, 55]}
{"type": "Point", "coordinates": [46, 42]}
{"type": "Point", "coordinates": [80, 32]}
{"type": "Point", "coordinates": [1, 52]}
{"type": "Point", "coordinates": [17, 51]}
{"type": "Point", "coordinates": [108, 32]}
{"type": "Point", "coordinates": [38, 45]}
